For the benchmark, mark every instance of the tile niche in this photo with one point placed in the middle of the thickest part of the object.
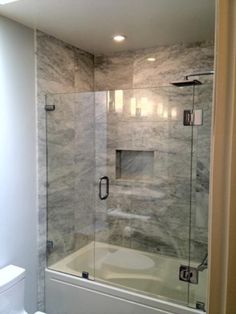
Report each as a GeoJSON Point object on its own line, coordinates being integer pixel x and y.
{"type": "Point", "coordinates": [134, 165]}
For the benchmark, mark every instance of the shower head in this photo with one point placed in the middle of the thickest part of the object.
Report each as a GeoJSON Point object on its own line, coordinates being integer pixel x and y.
{"type": "Point", "coordinates": [186, 83]}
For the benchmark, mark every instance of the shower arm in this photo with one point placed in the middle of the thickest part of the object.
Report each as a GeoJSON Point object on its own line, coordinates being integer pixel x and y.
{"type": "Point", "coordinates": [199, 74]}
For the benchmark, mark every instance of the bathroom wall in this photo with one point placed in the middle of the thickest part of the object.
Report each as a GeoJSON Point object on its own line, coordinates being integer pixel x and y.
{"type": "Point", "coordinates": [18, 229]}
{"type": "Point", "coordinates": [132, 70]}
{"type": "Point", "coordinates": [149, 204]}
{"type": "Point", "coordinates": [61, 68]}
{"type": "Point", "coordinates": [166, 226]}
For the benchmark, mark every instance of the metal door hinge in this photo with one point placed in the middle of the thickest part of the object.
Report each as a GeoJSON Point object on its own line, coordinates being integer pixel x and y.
{"type": "Point", "coordinates": [193, 117]}
{"type": "Point", "coordinates": [188, 274]}
{"type": "Point", "coordinates": [50, 246]}
{"type": "Point", "coordinates": [50, 107]}
{"type": "Point", "coordinates": [85, 275]}
{"type": "Point", "coordinates": [200, 306]}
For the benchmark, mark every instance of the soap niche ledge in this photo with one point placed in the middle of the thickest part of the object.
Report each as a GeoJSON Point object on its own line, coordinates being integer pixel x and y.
{"type": "Point", "coordinates": [134, 165]}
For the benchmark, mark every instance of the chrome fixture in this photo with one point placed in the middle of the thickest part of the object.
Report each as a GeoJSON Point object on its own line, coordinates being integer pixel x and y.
{"type": "Point", "coordinates": [50, 246]}
{"type": "Point", "coordinates": [203, 264]}
{"type": "Point", "coordinates": [50, 107]}
{"type": "Point", "coordinates": [199, 74]}
{"type": "Point", "coordinates": [105, 196]}
{"type": "Point", "coordinates": [193, 117]}
{"type": "Point", "coordinates": [85, 275]}
{"type": "Point", "coordinates": [201, 306]}
{"type": "Point", "coordinates": [188, 274]}
{"type": "Point", "coordinates": [187, 82]}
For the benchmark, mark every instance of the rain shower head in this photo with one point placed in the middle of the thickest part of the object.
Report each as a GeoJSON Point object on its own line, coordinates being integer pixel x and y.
{"type": "Point", "coordinates": [186, 83]}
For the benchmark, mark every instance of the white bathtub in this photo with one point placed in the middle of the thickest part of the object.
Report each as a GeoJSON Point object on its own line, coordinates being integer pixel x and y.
{"type": "Point", "coordinates": [151, 279]}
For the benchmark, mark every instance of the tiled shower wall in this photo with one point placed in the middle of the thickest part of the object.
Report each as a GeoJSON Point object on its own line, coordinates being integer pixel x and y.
{"type": "Point", "coordinates": [149, 204]}
{"type": "Point", "coordinates": [62, 68]}
{"type": "Point", "coordinates": [132, 70]}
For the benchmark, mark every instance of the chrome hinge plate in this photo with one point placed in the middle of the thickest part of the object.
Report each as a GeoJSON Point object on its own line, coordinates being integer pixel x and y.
{"type": "Point", "coordinates": [193, 117]}
{"type": "Point", "coordinates": [50, 246]}
{"type": "Point", "coordinates": [200, 306]}
{"type": "Point", "coordinates": [50, 107]}
{"type": "Point", "coordinates": [188, 274]}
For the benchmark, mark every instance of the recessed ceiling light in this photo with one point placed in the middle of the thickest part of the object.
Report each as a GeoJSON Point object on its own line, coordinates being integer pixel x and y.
{"type": "Point", "coordinates": [2, 2]}
{"type": "Point", "coordinates": [119, 38]}
{"type": "Point", "coordinates": [151, 59]}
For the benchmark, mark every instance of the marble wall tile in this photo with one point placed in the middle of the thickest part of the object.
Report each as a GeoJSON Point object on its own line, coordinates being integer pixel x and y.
{"type": "Point", "coordinates": [131, 164]}
{"type": "Point", "coordinates": [84, 166]}
{"type": "Point", "coordinates": [132, 70]}
{"type": "Point", "coordinates": [55, 69]}
{"type": "Point", "coordinates": [172, 63]}
{"type": "Point", "coordinates": [61, 68]}
{"type": "Point", "coordinates": [114, 72]}
{"type": "Point", "coordinates": [199, 213]}
{"type": "Point", "coordinates": [61, 225]}
{"type": "Point", "coordinates": [101, 105]}
{"type": "Point", "coordinates": [171, 141]}
{"type": "Point", "coordinates": [60, 177]}
{"type": "Point", "coordinates": [84, 71]}
{"type": "Point", "coordinates": [165, 200]}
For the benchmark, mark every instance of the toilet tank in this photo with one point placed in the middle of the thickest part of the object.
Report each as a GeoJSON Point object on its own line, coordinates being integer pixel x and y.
{"type": "Point", "coordinates": [12, 280]}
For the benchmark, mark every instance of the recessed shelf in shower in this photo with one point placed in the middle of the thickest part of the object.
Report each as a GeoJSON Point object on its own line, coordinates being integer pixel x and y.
{"type": "Point", "coordinates": [134, 164]}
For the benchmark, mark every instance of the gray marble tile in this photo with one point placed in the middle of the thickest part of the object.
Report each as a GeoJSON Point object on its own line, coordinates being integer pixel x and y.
{"type": "Point", "coordinates": [172, 63]}
{"type": "Point", "coordinates": [84, 165]}
{"type": "Point", "coordinates": [167, 200]}
{"type": "Point", "coordinates": [132, 164]}
{"type": "Point", "coordinates": [61, 68]}
{"type": "Point", "coordinates": [114, 72]}
{"type": "Point", "coordinates": [167, 239]}
{"type": "Point", "coordinates": [101, 107]}
{"type": "Point", "coordinates": [55, 65]}
{"type": "Point", "coordinates": [84, 71]}
{"type": "Point", "coordinates": [132, 70]}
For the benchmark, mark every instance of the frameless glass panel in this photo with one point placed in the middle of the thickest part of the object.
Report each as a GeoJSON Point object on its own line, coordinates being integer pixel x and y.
{"type": "Point", "coordinates": [200, 193]}
{"type": "Point", "coordinates": [143, 226]}
{"type": "Point", "coordinates": [70, 173]}
{"type": "Point", "coordinates": [128, 189]}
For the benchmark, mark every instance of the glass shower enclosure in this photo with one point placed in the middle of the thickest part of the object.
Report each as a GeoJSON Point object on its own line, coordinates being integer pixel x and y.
{"type": "Point", "coordinates": [127, 189]}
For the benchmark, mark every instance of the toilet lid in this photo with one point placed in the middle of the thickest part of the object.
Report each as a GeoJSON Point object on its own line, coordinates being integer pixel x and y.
{"type": "Point", "coordinates": [9, 276]}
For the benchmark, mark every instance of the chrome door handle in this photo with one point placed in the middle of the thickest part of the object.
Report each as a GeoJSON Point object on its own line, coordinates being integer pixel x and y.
{"type": "Point", "coordinates": [105, 196]}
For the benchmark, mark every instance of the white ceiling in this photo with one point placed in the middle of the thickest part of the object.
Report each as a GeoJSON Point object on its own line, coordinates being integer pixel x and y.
{"type": "Point", "coordinates": [90, 24]}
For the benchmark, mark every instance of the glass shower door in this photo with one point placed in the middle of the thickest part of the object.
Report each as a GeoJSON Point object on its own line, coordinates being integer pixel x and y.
{"type": "Point", "coordinates": [143, 172]}
{"type": "Point", "coordinates": [70, 183]}
{"type": "Point", "coordinates": [127, 189]}
{"type": "Point", "coordinates": [200, 194]}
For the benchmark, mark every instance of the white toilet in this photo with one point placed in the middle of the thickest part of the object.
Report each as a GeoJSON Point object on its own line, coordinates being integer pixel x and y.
{"type": "Point", "coordinates": [12, 288]}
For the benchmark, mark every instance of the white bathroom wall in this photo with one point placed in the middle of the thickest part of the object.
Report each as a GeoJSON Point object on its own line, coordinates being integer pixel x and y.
{"type": "Point", "coordinates": [18, 153]}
